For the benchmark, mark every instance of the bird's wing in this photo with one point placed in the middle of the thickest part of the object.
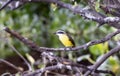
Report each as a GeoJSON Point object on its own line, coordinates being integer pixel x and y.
{"type": "Point", "coordinates": [71, 39]}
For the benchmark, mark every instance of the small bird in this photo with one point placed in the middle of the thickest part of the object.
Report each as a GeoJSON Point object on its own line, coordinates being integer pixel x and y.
{"type": "Point", "coordinates": [65, 38]}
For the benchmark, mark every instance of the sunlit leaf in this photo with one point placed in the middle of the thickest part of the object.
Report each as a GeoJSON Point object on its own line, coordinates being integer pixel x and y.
{"type": "Point", "coordinates": [99, 49]}
{"type": "Point", "coordinates": [30, 58]}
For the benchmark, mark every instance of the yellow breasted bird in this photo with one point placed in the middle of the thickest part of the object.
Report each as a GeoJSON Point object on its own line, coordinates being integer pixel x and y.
{"type": "Point", "coordinates": [65, 38]}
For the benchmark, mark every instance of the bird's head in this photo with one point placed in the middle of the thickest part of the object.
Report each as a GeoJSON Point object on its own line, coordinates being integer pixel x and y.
{"type": "Point", "coordinates": [60, 32]}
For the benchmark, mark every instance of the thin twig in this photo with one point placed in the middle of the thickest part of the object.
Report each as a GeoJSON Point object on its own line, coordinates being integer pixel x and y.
{"type": "Point", "coordinates": [10, 64]}
{"type": "Point", "coordinates": [41, 71]}
{"type": "Point", "coordinates": [68, 62]}
{"type": "Point", "coordinates": [26, 62]}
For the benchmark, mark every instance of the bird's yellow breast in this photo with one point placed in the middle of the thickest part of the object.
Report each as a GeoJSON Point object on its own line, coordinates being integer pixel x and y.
{"type": "Point", "coordinates": [65, 40]}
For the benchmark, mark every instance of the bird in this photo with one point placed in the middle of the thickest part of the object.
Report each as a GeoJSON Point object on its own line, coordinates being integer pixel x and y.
{"type": "Point", "coordinates": [65, 38]}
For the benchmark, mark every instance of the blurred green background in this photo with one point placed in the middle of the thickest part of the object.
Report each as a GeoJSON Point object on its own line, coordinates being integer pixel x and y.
{"type": "Point", "coordinates": [38, 22]}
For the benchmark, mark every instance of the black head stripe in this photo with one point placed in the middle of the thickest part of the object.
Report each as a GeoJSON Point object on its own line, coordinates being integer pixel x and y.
{"type": "Point", "coordinates": [60, 32]}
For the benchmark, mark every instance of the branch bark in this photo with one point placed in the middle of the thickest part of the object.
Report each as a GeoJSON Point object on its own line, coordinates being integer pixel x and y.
{"type": "Point", "coordinates": [87, 13]}
{"type": "Point", "coordinates": [64, 64]}
{"type": "Point", "coordinates": [35, 47]}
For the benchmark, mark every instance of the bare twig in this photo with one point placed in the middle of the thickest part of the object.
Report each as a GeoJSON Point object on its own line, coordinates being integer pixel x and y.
{"type": "Point", "coordinates": [11, 65]}
{"type": "Point", "coordinates": [64, 64]}
{"type": "Point", "coordinates": [41, 71]}
{"type": "Point", "coordinates": [16, 51]}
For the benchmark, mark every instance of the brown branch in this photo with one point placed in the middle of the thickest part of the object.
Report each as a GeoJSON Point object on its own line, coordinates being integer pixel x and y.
{"type": "Point", "coordinates": [35, 47]}
{"type": "Point", "coordinates": [56, 67]}
{"type": "Point", "coordinates": [11, 65]}
{"type": "Point", "coordinates": [6, 4]}
{"type": "Point", "coordinates": [26, 62]}
{"type": "Point", "coordinates": [41, 71]}
{"type": "Point", "coordinates": [87, 13]}
{"type": "Point", "coordinates": [66, 62]}
{"type": "Point", "coordinates": [62, 64]}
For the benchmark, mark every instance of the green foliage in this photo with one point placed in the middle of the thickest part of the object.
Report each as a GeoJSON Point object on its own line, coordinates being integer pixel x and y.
{"type": "Point", "coordinates": [28, 23]}
{"type": "Point", "coordinates": [112, 63]}
{"type": "Point", "coordinates": [99, 49]}
{"type": "Point", "coordinates": [38, 22]}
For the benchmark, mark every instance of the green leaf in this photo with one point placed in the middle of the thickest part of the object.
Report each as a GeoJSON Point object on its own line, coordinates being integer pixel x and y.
{"type": "Point", "coordinates": [99, 49]}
